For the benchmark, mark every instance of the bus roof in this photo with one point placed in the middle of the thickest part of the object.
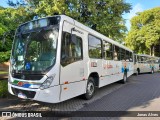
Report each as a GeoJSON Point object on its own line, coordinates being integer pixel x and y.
{"type": "Point", "coordinates": [144, 55]}
{"type": "Point", "coordinates": [147, 55]}
{"type": "Point", "coordinates": [93, 32]}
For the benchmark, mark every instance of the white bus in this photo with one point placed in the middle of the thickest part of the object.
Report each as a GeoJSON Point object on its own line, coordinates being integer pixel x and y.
{"type": "Point", "coordinates": [57, 58]}
{"type": "Point", "coordinates": [145, 63]}
{"type": "Point", "coordinates": [157, 62]}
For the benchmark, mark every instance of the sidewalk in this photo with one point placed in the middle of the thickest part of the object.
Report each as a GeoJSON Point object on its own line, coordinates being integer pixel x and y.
{"type": "Point", "coordinates": [3, 76]}
{"type": "Point", "coordinates": [4, 70]}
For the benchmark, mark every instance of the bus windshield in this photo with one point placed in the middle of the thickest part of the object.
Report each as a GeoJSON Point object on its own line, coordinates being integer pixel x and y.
{"type": "Point", "coordinates": [34, 51]}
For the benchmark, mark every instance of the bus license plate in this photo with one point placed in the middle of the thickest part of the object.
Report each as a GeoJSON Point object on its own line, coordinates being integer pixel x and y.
{"type": "Point", "coordinates": [21, 95]}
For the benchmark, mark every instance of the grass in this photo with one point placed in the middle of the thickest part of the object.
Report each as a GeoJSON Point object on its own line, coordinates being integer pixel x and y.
{"type": "Point", "coordinates": [3, 72]}
{"type": "Point", "coordinates": [3, 88]}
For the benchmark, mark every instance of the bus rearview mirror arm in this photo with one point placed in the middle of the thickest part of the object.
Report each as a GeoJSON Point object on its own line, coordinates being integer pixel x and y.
{"type": "Point", "coordinates": [73, 36]}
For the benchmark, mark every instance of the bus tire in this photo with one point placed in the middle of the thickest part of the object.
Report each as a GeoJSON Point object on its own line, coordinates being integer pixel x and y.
{"type": "Point", "coordinates": [124, 80]}
{"type": "Point", "coordinates": [90, 89]}
{"type": "Point", "coordinates": [138, 71]}
{"type": "Point", "coordinates": [152, 71]}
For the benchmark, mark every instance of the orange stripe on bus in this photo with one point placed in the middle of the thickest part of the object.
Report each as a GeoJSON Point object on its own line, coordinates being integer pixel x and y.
{"type": "Point", "coordinates": [65, 88]}
{"type": "Point", "coordinates": [66, 82]}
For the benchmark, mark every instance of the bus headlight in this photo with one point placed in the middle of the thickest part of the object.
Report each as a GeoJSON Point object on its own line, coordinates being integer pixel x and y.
{"type": "Point", "coordinates": [46, 84]}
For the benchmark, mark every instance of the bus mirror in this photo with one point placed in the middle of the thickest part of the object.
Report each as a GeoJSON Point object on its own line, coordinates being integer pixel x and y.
{"type": "Point", "coordinates": [73, 36]}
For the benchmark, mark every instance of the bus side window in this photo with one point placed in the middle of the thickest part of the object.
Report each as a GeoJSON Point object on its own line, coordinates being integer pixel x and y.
{"type": "Point", "coordinates": [131, 57]}
{"type": "Point", "coordinates": [123, 54]}
{"type": "Point", "coordinates": [95, 47]}
{"type": "Point", "coordinates": [142, 59]}
{"type": "Point", "coordinates": [116, 53]}
{"type": "Point", "coordinates": [108, 51]}
{"type": "Point", "coordinates": [127, 56]}
{"type": "Point", "coordinates": [139, 59]}
{"type": "Point", "coordinates": [71, 51]}
{"type": "Point", "coordinates": [135, 59]}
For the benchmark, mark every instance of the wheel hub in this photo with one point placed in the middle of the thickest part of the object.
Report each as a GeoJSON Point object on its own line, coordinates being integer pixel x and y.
{"type": "Point", "coordinates": [90, 88]}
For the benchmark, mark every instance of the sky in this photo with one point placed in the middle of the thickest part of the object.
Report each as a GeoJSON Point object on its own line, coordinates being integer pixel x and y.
{"type": "Point", "coordinates": [137, 6]}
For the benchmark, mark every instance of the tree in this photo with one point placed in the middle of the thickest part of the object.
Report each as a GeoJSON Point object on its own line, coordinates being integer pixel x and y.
{"type": "Point", "coordinates": [10, 18]}
{"type": "Point", "coordinates": [145, 31]}
{"type": "Point", "coordinates": [105, 16]}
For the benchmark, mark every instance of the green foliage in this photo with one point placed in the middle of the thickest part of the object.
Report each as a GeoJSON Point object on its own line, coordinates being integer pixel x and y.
{"type": "Point", "coordinates": [4, 56]}
{"type": "Point", "coordinates": [105, 16]}
{"type": "Point", "coordinates": [3, 72]}
{"type": "Point", "coordinates": [145, 31]}
{"type": "Point", "coordinates": [6, 24]}
{"type": "Point", "coordinates": [10, 18]}
{"type": "Point", "coordinates": [3, 88]}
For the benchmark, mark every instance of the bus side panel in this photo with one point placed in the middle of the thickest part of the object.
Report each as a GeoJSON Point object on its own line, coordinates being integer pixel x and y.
{"type": "Point", "coordinates": [114, 71]}
{"type": "Point", "coordinates": [131, 69]}
{"type": "Point", "coordinates": [156, 67]}
{"type": "Point", "coordinates": [72, 75]}
{"type": "Point", "coordinates": [50, 95]}
{"type": "Point", "coordinates": [72, 90]}
{"type": "Point", "coordinates": [111, 72]}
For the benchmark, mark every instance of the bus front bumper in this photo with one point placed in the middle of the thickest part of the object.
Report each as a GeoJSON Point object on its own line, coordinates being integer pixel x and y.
{"type": "Point", "coordinates": [49, 95]}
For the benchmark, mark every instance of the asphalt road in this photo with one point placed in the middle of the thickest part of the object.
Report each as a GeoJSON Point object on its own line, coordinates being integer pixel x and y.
{"type": "Point", "coordinates": [140, 93]}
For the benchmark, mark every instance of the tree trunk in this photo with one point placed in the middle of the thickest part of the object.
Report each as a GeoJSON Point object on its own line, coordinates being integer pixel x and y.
{"type": "Point", "coordinates": [150, 50]}
{"type": "Point", "coordinates": [153, 51]}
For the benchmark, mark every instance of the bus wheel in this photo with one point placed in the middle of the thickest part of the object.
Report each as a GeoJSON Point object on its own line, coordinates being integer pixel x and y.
{"type": "Point", "coordinates": [124, 78]}
{"type": "Point", "coordinates": [138, 72]}
{"type": "Point", "coordinates": [90, 89]}
{"type": "Point", "coordinates": [152, 71]}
